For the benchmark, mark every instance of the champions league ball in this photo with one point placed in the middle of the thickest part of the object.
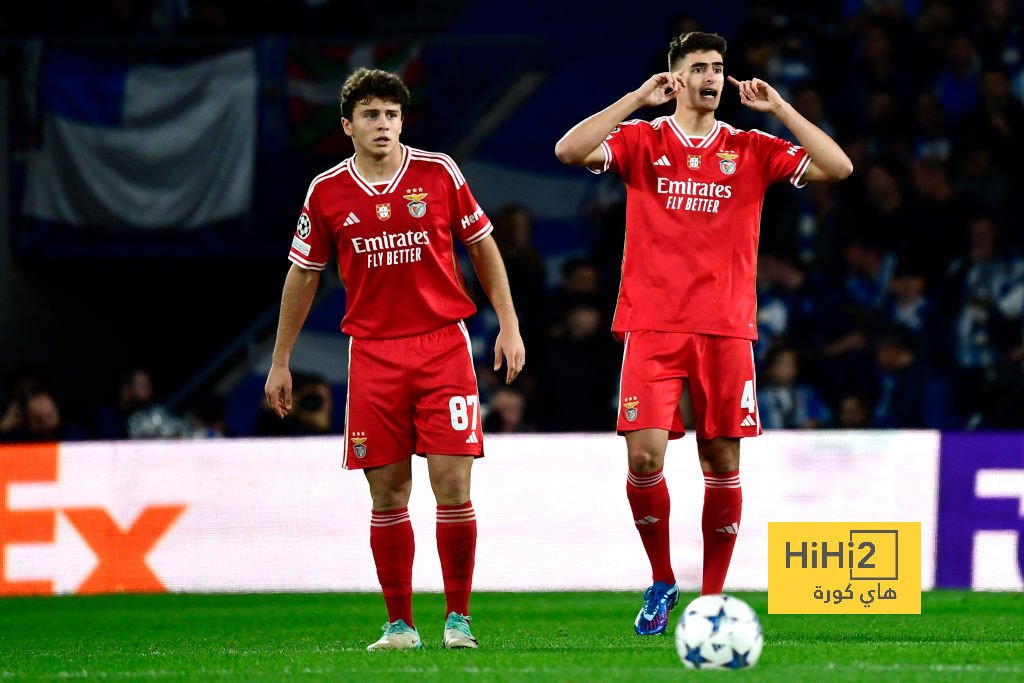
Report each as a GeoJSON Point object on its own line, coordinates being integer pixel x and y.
{"type": "Point", "coordinates": [719, 632]}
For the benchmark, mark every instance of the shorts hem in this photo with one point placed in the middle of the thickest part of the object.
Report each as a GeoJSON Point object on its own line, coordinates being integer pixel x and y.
{"type": "Point", "coordinates": [354, 464]}
{"type": "Point", "coordinates": [704, 437]}
{"type": "Point", "coordinates": [672, 435]}
{"type": "Point", "coordinates": [475, 453]}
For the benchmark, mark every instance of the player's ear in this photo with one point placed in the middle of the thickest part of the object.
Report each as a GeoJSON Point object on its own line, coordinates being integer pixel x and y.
{"type": "Point", "coordinates": [346, 126]}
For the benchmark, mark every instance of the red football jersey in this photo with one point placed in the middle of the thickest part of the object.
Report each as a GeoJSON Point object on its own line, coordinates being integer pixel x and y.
{"type": "Point", "coordinates": [693, 213]}
{"type": "Point", "coordinates": [396, 255]}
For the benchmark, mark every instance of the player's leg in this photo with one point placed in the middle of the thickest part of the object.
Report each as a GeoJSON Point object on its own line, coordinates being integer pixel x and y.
{"type": "Point", "coordinates": [456, 542]}
{"type": "Point", "coordinates": [393, 546]}
{"type": "Point", "coordinates": [722, 386]}
{"type": "Point", "coordinates": [649, 499]}
{"type": "Point", "coordinates": [379, 440]}
{"type": "Point", "coordinates": [650, 504]}
{"type": "Point", "coordinates": [447, 421]}
{"type": "Point", "coordinates": [651, 386]}
{"type": "Point", "coordinates": [723, 505]}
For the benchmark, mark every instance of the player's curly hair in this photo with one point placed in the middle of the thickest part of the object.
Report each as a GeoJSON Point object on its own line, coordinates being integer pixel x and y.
{"type": "Point", "coordinates": [365, 84]}
{"type": "Point", "coordinates": [695, 41]}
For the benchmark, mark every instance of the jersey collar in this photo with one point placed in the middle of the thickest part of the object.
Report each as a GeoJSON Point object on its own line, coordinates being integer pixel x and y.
{"type": "Point", "coordinates": [368, 187]}
{"type": "Point", "coordinates": [690, 142]}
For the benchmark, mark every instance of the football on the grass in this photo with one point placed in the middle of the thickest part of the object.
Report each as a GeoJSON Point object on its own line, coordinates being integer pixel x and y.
{"type": "Point", "coordinates": [719, 632]}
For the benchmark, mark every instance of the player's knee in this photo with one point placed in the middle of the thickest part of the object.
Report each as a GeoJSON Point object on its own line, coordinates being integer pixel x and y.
{"type": "Point", "coordinates": [720, 454]}
{"type": "Point", "coordinates": [643, 460]}
{"type": "Point", "coordinates": [390, 497]}
{"type": "Point", "coordinates": [451, 488]}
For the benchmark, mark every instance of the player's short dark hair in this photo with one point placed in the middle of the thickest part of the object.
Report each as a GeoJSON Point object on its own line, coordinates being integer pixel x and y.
{"type": "Point", "coordinates": [365, 84]}
{"type": "Point", "coordinates": [695, 41]}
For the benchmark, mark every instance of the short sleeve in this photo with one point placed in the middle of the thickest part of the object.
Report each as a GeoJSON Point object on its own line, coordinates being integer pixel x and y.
{"type": "Point", "coordinates": [311, 244]}
{"type": "Point", "coordinates": [617, 147]}
{"type": "Point", "coordinates": [781, 159]}
{"type": "Point", "coordinates": [469, 222]}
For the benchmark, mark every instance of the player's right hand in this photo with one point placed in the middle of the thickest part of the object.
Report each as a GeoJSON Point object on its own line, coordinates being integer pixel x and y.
{"type": "Point", "coordinates": [659, 89]}
{"type": "Point", "coordinates": [279, 390]}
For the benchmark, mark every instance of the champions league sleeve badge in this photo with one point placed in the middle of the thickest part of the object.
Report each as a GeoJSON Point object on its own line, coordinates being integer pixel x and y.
{"type": "Point", "coordinates": [302, 229]}
{"type": "Point", "coordinates": [728, 162]}
{"type": "Point", "coordinates": [415, 197]}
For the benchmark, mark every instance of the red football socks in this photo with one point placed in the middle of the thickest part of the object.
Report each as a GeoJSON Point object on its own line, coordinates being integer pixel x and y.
{"type": "Point", "coordinates": [392, 543]}
{"type": "Point", "coordinates": [456, 546]}
{"type": "Point", "coordinates": [649, 500]}
{"type": "Point", "coordinates": [723, 503]}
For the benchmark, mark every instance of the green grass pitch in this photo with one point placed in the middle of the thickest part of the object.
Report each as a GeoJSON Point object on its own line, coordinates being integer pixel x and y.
{"type": "Point", "coordinates": [540, 636]}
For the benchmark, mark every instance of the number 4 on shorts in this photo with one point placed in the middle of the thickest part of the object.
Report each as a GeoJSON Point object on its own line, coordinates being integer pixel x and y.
{"type": "Point", "coordinates": [748, 396]}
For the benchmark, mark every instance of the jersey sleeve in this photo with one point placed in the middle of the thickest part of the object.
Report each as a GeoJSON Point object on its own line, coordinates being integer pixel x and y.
{"type": "Point", "coordinates": [469, 222]}
{"type": "Point", "coordinates": [781, 159]}
{"type": "Point", "coordinates": [618, 147]}
{"type": "Point", "coordinates": [311, 244]}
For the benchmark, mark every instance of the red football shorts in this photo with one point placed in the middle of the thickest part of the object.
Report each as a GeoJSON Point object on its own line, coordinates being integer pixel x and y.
{"type": "Point", "coordinates": [720, 371]}
{"type": "Point", "coordinates": [411, 395]}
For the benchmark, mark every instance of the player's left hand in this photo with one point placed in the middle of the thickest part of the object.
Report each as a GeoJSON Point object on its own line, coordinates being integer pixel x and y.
{"type": "Point", "coordinates": [509, 345]}
{"type": "Point", "coordinates": [758, 95]}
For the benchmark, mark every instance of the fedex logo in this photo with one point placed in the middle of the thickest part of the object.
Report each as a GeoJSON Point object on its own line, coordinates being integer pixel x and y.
{"type": "Point", "coordinates": [120, 549]}
{"type": "Point", "coordinates": [981, 512]}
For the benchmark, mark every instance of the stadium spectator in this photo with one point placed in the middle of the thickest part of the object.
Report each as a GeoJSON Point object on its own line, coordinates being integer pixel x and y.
{"type": "Point", "coordinates": [997, 121]}
{"type": "Point", "coordinates": [938, 212]}
{"type": "Point", "coordinates": [909, 306]}
{"type": "Point", "coordinates": [314, 407]}
{"type": "Point", "coordinates": [853, 412]}
{"type": "Point", "coordinates": [134, 392]}
{"type": "Point", "coordinates": [782, 401]}
{"type": "Point", "coordinates": [513, 230]}
{"type": "Point", "coordinates": [910, 395]}
{"type": "Point", "coordinates": [584, 358]}
{"type": "Point", "coordinates": [931, 132]}
{"type": "Point", "coordinates": [979, 282]}
{"type": "Point", "coordinates": [207, 415]}
{"type": "Point", "coordinates": [505, 412]}
{"type": "Point", "coordinates": [36, 417]}
{"type": "Point", "coordinates": [957, 84]}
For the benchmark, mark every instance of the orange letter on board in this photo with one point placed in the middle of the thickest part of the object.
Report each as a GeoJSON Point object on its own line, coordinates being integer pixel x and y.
{"type": "Point", "coordinates": [25, 464]}
{"type": "Point", "coordinates": [122, 554]}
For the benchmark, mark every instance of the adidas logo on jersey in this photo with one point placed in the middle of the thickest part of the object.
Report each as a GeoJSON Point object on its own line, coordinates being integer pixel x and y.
{"type": "Point", "coordinates": [731, 529]}
{"type": "Point", "coordinates": [663, 161]}
{"type": "Point", "coordinates": [472, 439]}
{"type": "Point", "coordinates": [748, 421]}
{"type": "Point", "coordinates": [646, 520]}
{"type": "Point", "coordinates": [351, 219]}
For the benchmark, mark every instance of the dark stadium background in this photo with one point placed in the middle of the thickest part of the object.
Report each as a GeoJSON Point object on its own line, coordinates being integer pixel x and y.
{"type": "Point", "coordinates": [925, 97]}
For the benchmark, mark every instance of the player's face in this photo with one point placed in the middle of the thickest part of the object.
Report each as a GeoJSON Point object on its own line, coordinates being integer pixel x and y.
{"type": "Point", "coordinates": [375, 127]}
{"type": "Point", "coordinates": [704, 77]}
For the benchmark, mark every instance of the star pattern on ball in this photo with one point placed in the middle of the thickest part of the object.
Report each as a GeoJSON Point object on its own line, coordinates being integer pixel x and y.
{"type": "Point", "coordinates": [739, 660]}
{"type": "Point", "coordinates": [693, 656]}
{"type": "Point", "coordinates": [716, 621]}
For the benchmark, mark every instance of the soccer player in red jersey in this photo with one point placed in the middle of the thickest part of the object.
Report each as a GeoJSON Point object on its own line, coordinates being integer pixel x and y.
{"type": "Point", "coordinates": [686, 306]}
{"type": "Point", "coordinates": [391, 213]}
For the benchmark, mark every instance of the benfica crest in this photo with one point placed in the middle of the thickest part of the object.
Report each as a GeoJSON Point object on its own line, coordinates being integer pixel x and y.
{"type": "Point", "coordinates": [384, 211]}
{"type": "Point", "coordinates": [359, 442]}
{"type": "Point", "coordinates": [417, 207]}
{"type": "Point", "coordinates": [728, 162]}
{"type": "Point", "coordinates": [693, 162]}
{"type": "Point", "coordinates": [630, 405]}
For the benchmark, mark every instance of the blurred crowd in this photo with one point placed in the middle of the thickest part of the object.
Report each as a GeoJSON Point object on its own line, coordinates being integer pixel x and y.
{"type": "Point", "coordinates": [892, 300]}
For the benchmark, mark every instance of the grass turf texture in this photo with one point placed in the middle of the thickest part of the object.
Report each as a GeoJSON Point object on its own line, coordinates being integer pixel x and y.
{"type": "Point", "coordinates": [546, 636]}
